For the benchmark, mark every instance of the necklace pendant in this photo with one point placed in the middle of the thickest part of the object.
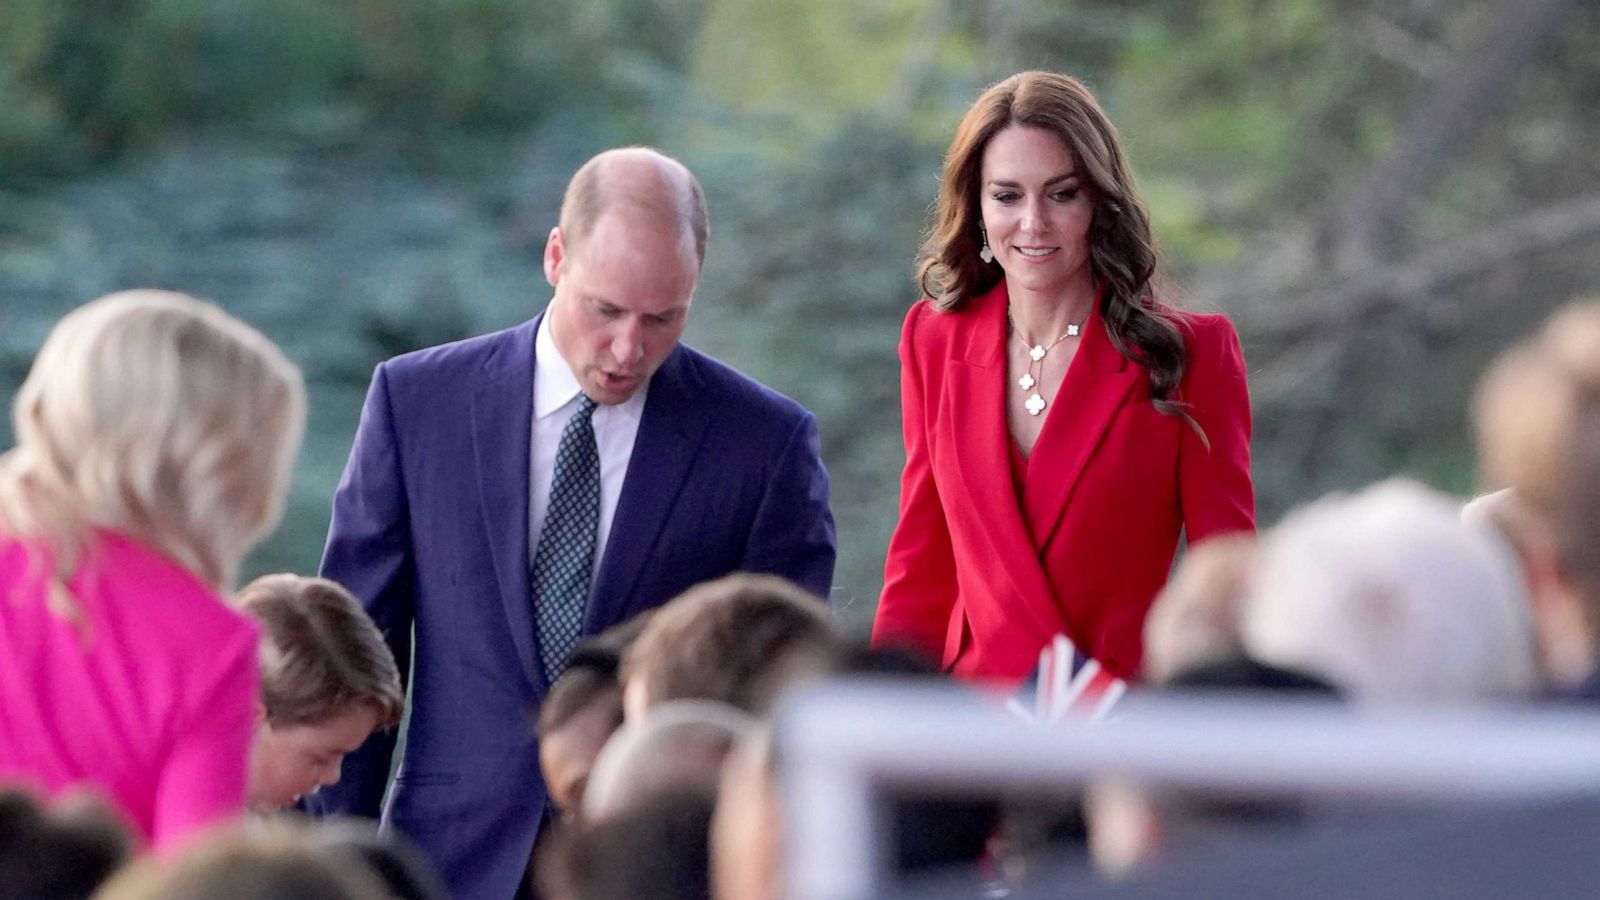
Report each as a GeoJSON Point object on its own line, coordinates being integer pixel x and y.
{"type": "Point", "coordinates": [1036, 352]}
{"type": "Point", "coordinates": [1035, 404]}
{"type": "Point", "coordinates": [1072, 331]}
{"type": "Point", "coordinates": [1026, 381]}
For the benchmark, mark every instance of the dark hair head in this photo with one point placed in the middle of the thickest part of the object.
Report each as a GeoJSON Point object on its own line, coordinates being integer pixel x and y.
{"type": "Point", "coordinates": [60, 855]}
{"type": "Point", "coordinates": [1122, 254]}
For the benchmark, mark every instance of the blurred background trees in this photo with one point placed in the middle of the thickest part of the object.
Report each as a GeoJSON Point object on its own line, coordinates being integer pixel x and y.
{"type": "Point", "coordinates": [1381, 194]}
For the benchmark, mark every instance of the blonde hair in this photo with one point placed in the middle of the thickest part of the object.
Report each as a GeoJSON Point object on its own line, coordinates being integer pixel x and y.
{"type": "Point", "coordinates": [158, 416]}
{"type": "Point", "coordinates": [320, 653]}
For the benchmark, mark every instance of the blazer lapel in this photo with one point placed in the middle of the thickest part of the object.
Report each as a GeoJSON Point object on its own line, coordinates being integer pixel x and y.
{"type": "Point", "coordinates": [502, 426]}
{"type": "Point", "coordinates": [664, 451]}
{"type": "Point", "coordinates": [1096, 385]}
{"type": "Point", "coordinates": [983, 449]}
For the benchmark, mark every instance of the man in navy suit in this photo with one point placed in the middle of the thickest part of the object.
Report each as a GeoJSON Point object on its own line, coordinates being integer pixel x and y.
{"type": "Point", "coordinates": [439, 523]}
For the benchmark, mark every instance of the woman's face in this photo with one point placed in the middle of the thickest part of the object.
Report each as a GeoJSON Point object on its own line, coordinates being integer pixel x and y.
{"type": "Point", "coordinates": [1036, 208]}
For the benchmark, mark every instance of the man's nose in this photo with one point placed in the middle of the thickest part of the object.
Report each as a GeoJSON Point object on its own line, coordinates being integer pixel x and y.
{"type": "Point", "coordinates": [628, 344]}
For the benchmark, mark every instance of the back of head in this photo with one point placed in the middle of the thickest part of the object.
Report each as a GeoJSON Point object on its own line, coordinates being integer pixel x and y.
{"type": "Point", "coordinates": [255, 861]}
{"type": "Point", "coordinates": [61, 854]}
{"type": "Point", "coordinates": [1388, 596]}
{"type": "Point", "coordinates": [1195, 618]}
{"type": "Point", "coordinates": [681, 744]}
{"type": "Point", "coordinates": [160, 416]}
{"type": "Point", "coordinates": [739, 640]}
{"type": "Point", "coordinates": [656, 851]}
{"type": "Point", "coordinates": [406, 874]}
{"type": "Point", "coordinates": [320, 653]}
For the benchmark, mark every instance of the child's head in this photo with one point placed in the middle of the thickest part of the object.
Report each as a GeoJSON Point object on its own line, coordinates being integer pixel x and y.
{"type": "Point", "coordinates": [328, 681]}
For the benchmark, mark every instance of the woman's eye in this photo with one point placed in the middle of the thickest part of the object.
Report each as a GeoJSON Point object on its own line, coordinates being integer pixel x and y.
{"type": "Point", "coordinates": [1066, 196]}
{"type": "Point", "coordinates": [1005, 197]}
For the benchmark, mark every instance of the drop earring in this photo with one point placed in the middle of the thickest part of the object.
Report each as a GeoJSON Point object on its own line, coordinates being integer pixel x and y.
{"type": "Point", "coordinates": [985, 254]}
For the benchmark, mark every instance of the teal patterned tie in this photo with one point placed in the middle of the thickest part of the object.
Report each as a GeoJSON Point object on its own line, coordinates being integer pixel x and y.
{"type": "Point", "coordinates": [564, 558]}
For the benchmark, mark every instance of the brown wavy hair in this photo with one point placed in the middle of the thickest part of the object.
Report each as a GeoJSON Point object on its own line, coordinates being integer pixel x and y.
{"type": "Point", "coordinates": [1122, 255]}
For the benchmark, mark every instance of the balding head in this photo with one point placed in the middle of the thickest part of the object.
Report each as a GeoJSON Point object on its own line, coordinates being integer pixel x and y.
{"type": "Point", "coordinates": [637, 182]}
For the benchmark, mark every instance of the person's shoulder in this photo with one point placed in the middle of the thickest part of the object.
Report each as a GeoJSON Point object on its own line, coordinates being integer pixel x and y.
{"type": "Point", "coordinates": [732, 391]}
{"type": "Point", "coordinates": [467, 356]}
{"type": "Point", "coordinates": [170, 598]}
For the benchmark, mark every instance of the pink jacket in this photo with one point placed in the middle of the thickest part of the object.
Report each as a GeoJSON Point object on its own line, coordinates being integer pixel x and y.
{"type": "Point", "coordinates": [151, 706]}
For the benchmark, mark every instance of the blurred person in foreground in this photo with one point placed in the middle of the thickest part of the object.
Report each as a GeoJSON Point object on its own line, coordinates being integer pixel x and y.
{"type": "Point", "coordinates": [929, 832]}
{"type": "Point", "coordinates": [1063, 424]}
{"type": "Point", "coordinates": [155, 435]}
{"type": "Point", "coordinates": [62, 852]}
{"type": "Point", "coordinates": [1387, 596]}
{"type": "Point", "coordinates": [678, 744]}
{"type": "Point", "coordinates": [1538, 422]}
{"type": "Point", "coordinates": [327, 682]}
{"type": "Point", "coordinates": [1195, 619]}
{"type": "Point", "coordinates": [581, 712]}
{"type": "Point", "coordinates": [741, 640]}
{"type": "Point", "coordinates": [276, 860]}
{"type": "Point", "coordinates": [511, 493]}
{"type": "Point", "coordinates": [656, 850]}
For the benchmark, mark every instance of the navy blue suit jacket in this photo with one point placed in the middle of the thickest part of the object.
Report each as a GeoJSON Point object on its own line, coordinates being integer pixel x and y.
{"type": "Point", "coordinates": [430, 531]}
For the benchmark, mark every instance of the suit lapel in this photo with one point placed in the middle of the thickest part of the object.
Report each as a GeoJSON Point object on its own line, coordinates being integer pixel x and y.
{"type": "Point", "coordinates": [502, 429]}
{"type": "Point", "coordinates": [983, 449]}
{"type": "Point", "coordinates": [1096, 385]}
{"type": "Point", "coordinates": [670, 433]}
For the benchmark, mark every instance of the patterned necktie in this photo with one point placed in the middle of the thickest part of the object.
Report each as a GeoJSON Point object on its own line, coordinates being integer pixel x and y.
{"type": "Point", "coordinates": [564, 558]}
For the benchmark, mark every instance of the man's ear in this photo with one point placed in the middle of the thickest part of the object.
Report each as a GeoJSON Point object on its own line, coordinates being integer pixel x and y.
{"type": "Point", "coordinates": [555, 255]}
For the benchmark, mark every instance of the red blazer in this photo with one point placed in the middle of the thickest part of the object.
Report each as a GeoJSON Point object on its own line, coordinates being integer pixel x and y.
{"type": "Point", "coordinates": [982, 582]}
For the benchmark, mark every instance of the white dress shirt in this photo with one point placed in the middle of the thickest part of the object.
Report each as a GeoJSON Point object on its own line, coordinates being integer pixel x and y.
{"type": "Point", "coordinates": [555, 398]}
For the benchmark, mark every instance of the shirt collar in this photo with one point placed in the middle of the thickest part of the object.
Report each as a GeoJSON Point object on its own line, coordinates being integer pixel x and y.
{"type": "Point", "coordinates": [554, 385]}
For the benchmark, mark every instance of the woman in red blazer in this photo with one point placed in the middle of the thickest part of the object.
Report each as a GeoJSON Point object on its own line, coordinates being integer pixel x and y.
{"type": "Point", "coordinates": [1062, 427]}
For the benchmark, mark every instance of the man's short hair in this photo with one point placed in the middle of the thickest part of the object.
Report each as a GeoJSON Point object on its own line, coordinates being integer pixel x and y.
{"type": "Point", "coordinates": [320, 653]}
{"type": "Point", "coordinates": [736, 639]}
{"type": "Point", "coordinates": [591, 194]}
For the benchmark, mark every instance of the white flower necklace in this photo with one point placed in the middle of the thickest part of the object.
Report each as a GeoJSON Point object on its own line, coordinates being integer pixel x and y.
{"type": "Point", "coordinates": [1029, 381]}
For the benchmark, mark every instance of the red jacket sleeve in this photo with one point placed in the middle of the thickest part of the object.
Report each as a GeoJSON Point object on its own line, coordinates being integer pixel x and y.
{"type": "Point", "coordinates": [919, 588]}
{"type": "Point", "coordinates": [1214, 485]}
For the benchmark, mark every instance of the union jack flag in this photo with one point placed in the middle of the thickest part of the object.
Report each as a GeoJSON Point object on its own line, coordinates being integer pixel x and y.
{"type": "Point", "coordinates": [1067, 684]}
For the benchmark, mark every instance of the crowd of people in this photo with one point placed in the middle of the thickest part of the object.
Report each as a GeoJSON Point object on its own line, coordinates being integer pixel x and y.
{"type": "Point", "coordinates": [583, 563]}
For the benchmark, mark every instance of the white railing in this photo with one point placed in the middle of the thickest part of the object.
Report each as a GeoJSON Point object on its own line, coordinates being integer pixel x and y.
{"type": "Point", "coordinates": [838, 745]}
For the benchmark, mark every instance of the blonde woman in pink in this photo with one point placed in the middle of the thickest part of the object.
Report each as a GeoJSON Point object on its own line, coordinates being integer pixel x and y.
{"type": "Point", "coordinates": [154, 439]}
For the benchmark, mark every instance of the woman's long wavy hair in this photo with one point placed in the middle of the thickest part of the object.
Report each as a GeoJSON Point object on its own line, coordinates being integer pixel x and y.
{"type": "Point", "coordinates": [158, 416]}
{"type": "Point", "coordinates": [1122, 255]}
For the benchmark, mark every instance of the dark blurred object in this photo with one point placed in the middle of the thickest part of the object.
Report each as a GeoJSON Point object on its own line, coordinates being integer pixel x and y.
{"type": "Point", "coordinates": [60, 854]}
{"type": "Point", "coordinates": [1495, 852]}
{"type": "Point", "coordinates": [1241, 673]}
